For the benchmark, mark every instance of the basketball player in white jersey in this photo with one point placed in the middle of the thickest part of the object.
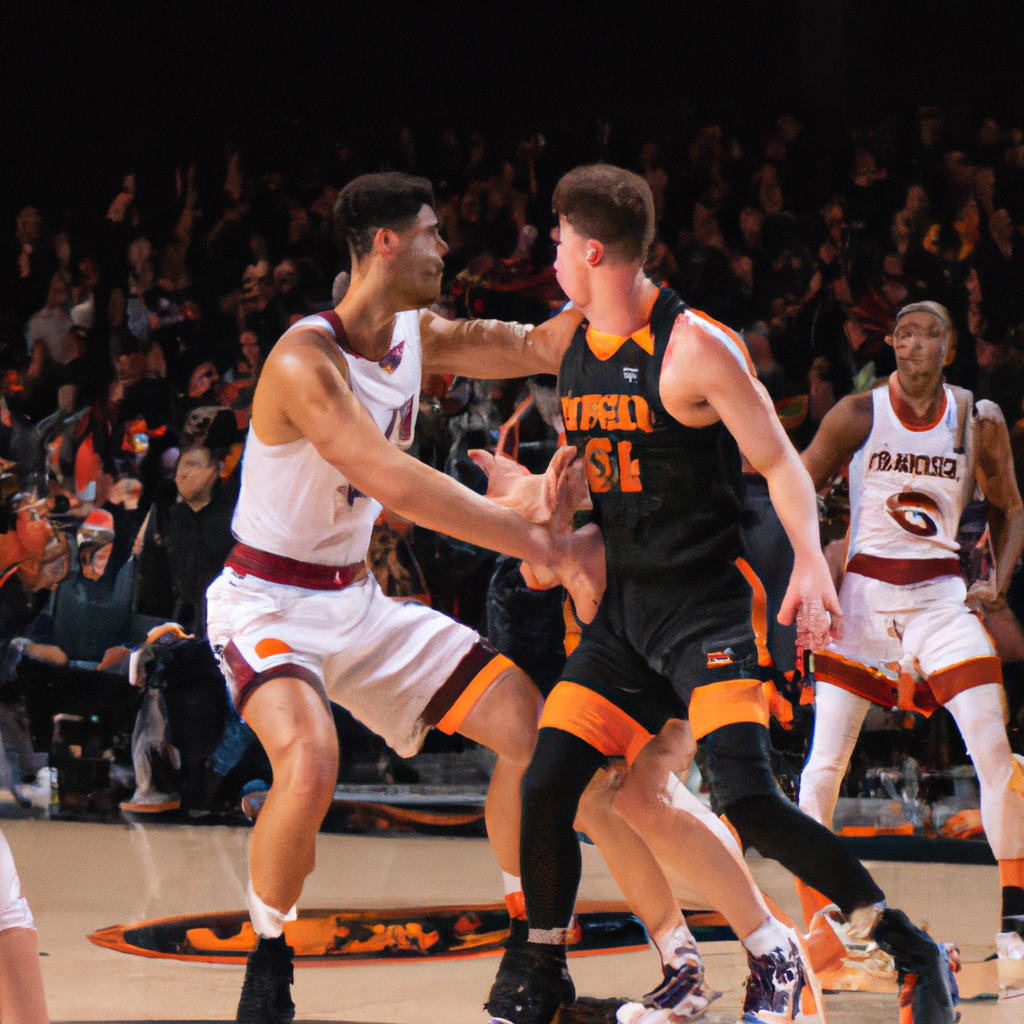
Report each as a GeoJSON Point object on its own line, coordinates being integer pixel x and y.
{"type": "Point", "coordinates": [916, 447]}
{"type": "Point", "coordinates": [296, 619]}
{"type": "Point", "coordinates": [22, 1000]}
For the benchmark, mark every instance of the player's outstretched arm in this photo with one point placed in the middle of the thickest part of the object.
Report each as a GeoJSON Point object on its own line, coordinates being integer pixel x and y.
{"type": "Point", "coordinates": [554, 495]}
{"type": "Point", "coordinates": [998, 482]}
{"type": "Point", "coordinates": [320, 405]}
{"type": "Point", "coordinates": [492, 349]}
{"type": "Point", "coordinates": [704, 379]}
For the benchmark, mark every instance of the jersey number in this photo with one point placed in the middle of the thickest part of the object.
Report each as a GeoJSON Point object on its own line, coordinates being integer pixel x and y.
{"type": "Point", "coordinates": [612, 468]}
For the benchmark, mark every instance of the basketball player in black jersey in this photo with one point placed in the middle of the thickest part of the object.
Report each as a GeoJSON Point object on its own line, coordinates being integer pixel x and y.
{"type": "Point", "coordinates": [660, 400]}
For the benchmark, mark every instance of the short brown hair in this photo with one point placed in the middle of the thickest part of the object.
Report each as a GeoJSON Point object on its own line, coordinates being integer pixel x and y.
{"type": "Point", "coordinates": [374, 201]}
{"type": "Point", "coordinates": [613, 206]}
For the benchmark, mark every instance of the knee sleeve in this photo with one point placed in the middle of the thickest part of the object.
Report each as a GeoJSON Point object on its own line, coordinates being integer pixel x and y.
{"type": "Point", "coordinates": [560, 771]}
{"type": "Point", "coordinates": [14, 912]}
{"type": "Point", "coordinates": [735, 758]}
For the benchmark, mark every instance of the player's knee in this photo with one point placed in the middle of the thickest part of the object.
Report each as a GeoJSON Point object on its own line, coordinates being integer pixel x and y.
{"type": "Point", "coordinates": [671, 750]}
{"type": "Point", "coordinates": [308, 768]}
{"type": "Point", "coordinates": [642, 800]}
{"type": "Point", "coordinates": [596, 805]}
{"type": "Point", "coordinates": [738, 764]}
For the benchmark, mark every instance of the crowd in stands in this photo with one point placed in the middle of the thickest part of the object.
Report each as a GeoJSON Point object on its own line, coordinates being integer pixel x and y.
{"type": "Point", "coordinates": [131, 340]}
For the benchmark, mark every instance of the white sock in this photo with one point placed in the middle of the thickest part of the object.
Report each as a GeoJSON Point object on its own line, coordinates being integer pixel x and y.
{"type": "Point", "coordinates": [671, 942]}
{"type": "Point", "coordinates": [266, 921]}
{"type": "Point", "coordinates": [512, 883]}
{"type": "Point", "coordinates": [549, 936]}
{"type": "Point", "coordinates": [773, 934]}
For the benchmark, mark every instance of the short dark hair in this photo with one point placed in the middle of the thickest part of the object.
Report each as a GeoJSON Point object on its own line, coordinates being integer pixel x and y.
{"type": "Point", "coordinates": [609, 204]}
{"type": "Point", "coordinates": [374, 201]}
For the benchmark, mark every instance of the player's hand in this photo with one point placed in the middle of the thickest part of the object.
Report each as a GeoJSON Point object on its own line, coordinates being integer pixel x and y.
{"type": "Point", "coordinates": [984, 596]}
{"type": "Point", "coordinates": [579, 562]}
{"type": "Point", "coordinates": [513, 486]}
{"type": "Point", "coordinates": [811, 599]}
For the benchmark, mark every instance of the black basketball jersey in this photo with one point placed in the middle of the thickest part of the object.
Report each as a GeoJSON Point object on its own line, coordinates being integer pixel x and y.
{"type": "Point", "coordinates": [667, 497]}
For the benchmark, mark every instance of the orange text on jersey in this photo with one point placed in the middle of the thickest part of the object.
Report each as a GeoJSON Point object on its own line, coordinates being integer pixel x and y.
{"type": "Point", "coordinates": [609, 412]}
{"type": "Point", "coordinates": [611, 470]}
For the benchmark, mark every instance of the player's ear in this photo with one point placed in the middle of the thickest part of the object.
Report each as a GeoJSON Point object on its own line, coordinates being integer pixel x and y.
{"type": "Point", "coordinates": [594, 253]}
{"type": "Point", "coordinates": [385, 242]}
{"type": "Point", "coordinates": [888, 340]}
{"type": "Point", "coordinates": [950, 347]}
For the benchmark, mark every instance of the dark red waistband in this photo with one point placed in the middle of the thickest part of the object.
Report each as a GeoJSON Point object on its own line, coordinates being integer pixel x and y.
{"type": "Point", "coordinates": [903, 571]}
{"type": "Point", "coordinates": [247, 561]}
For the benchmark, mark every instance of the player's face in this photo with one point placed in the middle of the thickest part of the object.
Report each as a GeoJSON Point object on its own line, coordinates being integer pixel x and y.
{"type": "Point", "coordinates": [571, 267]}
{"type": "Point", "coordinates": [920, 341]}
{"type": "Point", "coordinates": [419, 261]}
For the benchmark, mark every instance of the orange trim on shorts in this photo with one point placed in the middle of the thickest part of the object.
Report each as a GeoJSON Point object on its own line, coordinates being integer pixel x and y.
{"type": "Point", "coordinates": [1011, 872]}
{"type": "Point", "coordinates": [573, 631]}
{"type": "Point", "coordinates": [948, 682]}
{"type": "Point", "coordinates": [854, 677]}
{"type": "Point", "coordinates": [471, 694]}
{"type": "Point", "coordinates": [726, 703]}
{"type": "Point", "coordinates": [594, 719]}
{"type": "Point", "coordinates": [758, 611]}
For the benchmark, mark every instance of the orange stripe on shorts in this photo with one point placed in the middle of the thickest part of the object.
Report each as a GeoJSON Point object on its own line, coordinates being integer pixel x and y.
{"type": "Point", "coordinates": [594, 719]}
{"type": "Point", "coordinates": [471, 694]}
{"type": "Point", "coordinates": [726, 703]}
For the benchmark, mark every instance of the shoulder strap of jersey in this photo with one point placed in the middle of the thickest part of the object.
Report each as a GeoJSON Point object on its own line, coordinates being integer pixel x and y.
{"type": "Point", "coordinates": [964, 411]}
{"type": "Point", "coordinates": [340, 334]}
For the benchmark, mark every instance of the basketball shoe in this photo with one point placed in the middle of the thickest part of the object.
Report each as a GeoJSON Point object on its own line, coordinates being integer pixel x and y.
{"type": "Point", "coordinates": [266, 996]}
{"type": "Point", "coordinates": [532, 983]}
{"type": "Point", "coordinates": [682, 995]}
{"type": "Point", "coordinates": [781, 987]}
{"type": "Point", "coordinates": [923, 970]}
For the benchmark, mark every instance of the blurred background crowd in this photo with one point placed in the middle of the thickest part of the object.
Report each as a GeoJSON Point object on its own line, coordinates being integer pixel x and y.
{"type": "Point", "coordinates": [134, 324]}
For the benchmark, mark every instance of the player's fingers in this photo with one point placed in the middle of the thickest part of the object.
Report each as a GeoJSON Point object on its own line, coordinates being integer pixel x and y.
{"type": "Point", "coordinates": [836, 627]}
{"type": "Point", "coordinates": [483, 458]}
{"type": "Point", "coordinates": [790, 604]}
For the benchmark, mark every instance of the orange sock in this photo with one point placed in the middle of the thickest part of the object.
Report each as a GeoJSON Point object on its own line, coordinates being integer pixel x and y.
{"type": "Point", "coordinates": [1011, 872]}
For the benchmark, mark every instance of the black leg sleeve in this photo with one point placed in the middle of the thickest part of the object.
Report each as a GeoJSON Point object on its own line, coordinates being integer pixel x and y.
{"type": "Point", "coordinates": [737, 757]}
{"type": "Point", "coordinates": [560, 771]}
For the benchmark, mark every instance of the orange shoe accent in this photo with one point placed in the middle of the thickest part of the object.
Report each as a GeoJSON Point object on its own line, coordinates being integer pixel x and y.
{"type": "Point", "coordinates": [734, 700]}
{"type": "Point", "coordinates": [811, 901]}
{"type": "Point", "coordinates": [268, 647]}
{"type": "Point", "coordinates": [965, 825]}
{"type": "Point", "coordinates": [595, 720]}
{"type": "Point", "coordinates": [825, 948]}
{"type": "Point", "coordinates": [516, 903]}
{"type": "Point", "coordinates": [471, 694]}
{"type": "Point", "coordinates": [1011, 872]}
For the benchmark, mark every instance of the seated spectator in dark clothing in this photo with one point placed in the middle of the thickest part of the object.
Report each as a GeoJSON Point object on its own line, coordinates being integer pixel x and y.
{"type": "Point", "coordinates": [197, 532]}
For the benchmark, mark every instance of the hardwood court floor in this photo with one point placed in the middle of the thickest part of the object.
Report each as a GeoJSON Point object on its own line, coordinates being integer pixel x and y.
{"type": "Point", "coordinates": [80, 877]}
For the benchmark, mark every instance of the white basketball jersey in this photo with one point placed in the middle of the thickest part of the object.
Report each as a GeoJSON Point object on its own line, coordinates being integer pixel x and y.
{"type": "Point", "coordinates": [908, 486]}
{"type": "Point", "coordinates": [292, 501]}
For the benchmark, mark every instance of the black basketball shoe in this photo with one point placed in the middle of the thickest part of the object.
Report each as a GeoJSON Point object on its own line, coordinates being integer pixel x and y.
{"type": "Point", "coordinates": [532, 983]}
{"type": "Point", "coordinates": [923, 970]}
{"type": "Point", "coordinates": [266, 996]}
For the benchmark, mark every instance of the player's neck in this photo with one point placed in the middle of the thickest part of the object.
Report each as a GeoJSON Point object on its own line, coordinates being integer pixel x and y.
{"type": "Point", "coordinates": [368, 313]}
{"type": "Point", "coordinates": [621, 301]}
{"type": "Point", "coordinates": [917, 399]}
